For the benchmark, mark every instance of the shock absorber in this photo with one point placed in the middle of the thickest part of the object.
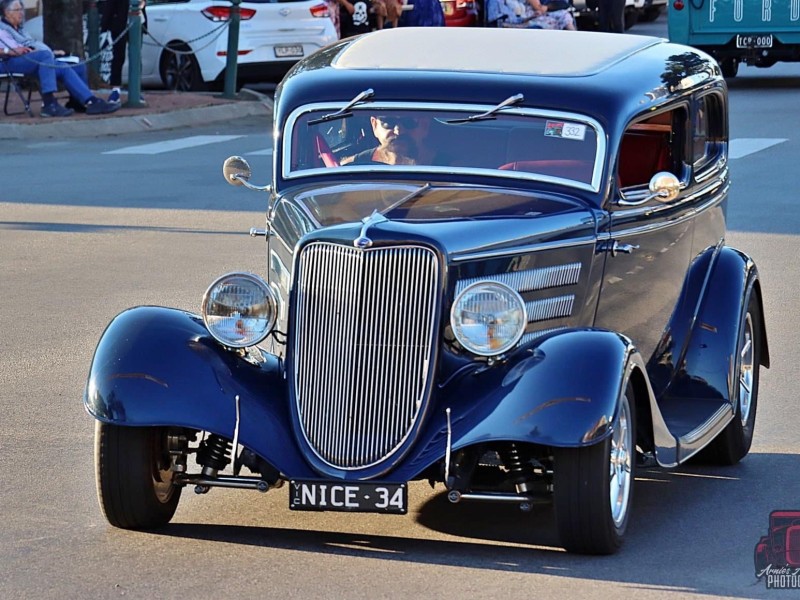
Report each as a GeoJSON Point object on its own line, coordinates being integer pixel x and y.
{"type": "Point", "coordinates": [515, 463]}
{"type": "Point", "coordinates": [214, 454]}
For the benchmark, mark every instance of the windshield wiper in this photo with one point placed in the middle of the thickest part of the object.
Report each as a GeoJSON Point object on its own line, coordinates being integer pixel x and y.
{"type": "Point", "coordinates": [490, 114]}
{"type": "Point", "coordinates": [345, 112]}
{"type": "Point", "coordinates": [415, 194]}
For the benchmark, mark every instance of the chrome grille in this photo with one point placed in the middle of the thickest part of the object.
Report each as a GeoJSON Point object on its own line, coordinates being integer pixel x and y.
{"type": "Point", "coordinates": [363, 348]}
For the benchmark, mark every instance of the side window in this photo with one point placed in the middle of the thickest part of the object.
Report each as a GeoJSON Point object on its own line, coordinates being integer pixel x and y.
{"type": "Point", "coordinates": [651, 145]}
{"type": "Point", "coordinates": [708, 131]}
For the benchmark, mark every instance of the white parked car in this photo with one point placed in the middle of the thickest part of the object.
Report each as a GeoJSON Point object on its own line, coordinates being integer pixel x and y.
{"type": "Point", "coordinates": [186, 42]}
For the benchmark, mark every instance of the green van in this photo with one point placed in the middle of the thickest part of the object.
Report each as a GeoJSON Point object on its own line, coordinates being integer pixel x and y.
{"type": "Point", "coordinates": [756, 32]}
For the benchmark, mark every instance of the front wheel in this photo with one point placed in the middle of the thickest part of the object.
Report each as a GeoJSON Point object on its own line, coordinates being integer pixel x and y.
{"type": "Point", "coordinates": [593, 487]}
{"type": "Point", "coordinates": [134, 478]}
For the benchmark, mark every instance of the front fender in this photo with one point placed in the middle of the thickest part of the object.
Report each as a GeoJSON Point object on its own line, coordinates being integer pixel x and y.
{"type": "Point", "coordinates": [563, 391]}
{"type": "Point", "coordinates": [160, 366]}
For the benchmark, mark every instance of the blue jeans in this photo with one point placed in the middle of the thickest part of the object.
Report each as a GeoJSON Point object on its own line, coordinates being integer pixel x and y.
{"type": "Point", "coordinates": [43, 64]}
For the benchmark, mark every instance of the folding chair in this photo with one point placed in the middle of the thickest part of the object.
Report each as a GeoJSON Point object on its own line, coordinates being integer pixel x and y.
{"type": "Point", "coordinates": [14, 80]}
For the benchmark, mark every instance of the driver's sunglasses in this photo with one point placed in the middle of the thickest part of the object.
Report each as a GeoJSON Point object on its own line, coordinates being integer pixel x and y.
{"type": "Point", "coordinates": [392, 122]}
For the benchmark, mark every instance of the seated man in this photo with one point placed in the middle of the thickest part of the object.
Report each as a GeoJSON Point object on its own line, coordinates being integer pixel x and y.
{"type": "Point", "coordinates": [400, 141]}
{"type": "Point", "coordinates": [20, 53]}
{"type": "Point", "coordinates": [523, 14]}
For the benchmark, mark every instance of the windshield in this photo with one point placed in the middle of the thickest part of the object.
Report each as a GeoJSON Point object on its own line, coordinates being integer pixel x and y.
{"type": "Point", "coordinates": [514, 143]}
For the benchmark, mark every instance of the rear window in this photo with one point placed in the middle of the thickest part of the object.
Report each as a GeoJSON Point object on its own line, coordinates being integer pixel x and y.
{"type": "Point", "coordinates": [518, 144]}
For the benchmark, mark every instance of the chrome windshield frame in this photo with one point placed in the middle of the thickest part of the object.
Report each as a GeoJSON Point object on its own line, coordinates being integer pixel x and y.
{"type": "Point", "coordinates": [427, 172]}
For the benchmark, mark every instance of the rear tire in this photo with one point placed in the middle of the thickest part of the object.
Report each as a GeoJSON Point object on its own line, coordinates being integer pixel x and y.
{"type": "Point", "coordinates": [593, 487]}
{"type": "Point", "coordinates": [134, 479]}
{"type": "Point", "coordinates": [733, 444]}
{"type": "Point", "coordinates": [181, 72]}
{"type": "Point", "coordinates": [729, 67]}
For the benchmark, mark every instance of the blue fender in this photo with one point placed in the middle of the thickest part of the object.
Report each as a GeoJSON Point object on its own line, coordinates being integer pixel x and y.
{"type": "Point", "coordinates": [160, 366]}
{"type": "Point", "coordinates": [563, 390]}
{"type": "Point", "coordinates": [709, 353]}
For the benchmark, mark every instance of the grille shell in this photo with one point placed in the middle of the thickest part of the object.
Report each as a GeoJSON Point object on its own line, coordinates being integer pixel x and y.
{"type": "Point", "coordinates": [364, 348]}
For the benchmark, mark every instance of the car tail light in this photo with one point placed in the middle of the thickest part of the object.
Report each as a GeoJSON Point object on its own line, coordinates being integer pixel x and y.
{"type": "Point", "coordinates": [223, 13]}
{"type": "Point", "coordinates": [319, 10]}
{"type": "Point", "coordinates": [678, 5]}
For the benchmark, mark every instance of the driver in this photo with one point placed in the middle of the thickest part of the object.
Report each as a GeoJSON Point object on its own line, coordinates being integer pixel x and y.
{"type": "Point", "coordinates": [400, 141]}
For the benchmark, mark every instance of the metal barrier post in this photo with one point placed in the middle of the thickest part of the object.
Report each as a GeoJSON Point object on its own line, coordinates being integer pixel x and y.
{"type": "Point", "coordinates": [93, 25]}
{"type": "Point", "coordinates": [232, 57]}
{"type": "Point", "coordinates": [135, 56]}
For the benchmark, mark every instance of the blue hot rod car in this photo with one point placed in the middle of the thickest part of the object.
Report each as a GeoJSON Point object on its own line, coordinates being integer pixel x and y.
{"type": "Point", "coordinates": [492, 269]}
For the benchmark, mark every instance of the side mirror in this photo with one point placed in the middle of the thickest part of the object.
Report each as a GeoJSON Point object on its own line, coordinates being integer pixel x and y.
{"type": "Point", "coordinates": [236, 171]}
{"type": "Point", "coordinates": [664, 187]}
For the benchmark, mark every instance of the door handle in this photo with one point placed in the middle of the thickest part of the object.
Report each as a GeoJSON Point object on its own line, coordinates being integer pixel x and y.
{"type": "Point", "coordinates": [614, 247]}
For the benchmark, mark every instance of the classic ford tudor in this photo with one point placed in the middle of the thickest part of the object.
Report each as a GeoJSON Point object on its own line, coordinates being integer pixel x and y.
{"type": "Point", "coordinates": [501, 270]}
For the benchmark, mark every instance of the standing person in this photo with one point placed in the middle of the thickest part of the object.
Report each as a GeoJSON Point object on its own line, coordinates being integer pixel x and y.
{"type": "Point", "coordinates": [426, 13]}
{"type": "Point", "coordinates": [115, 20]}
{"type": "Point", "coordinates": [356, 17]}
{"type": "Point", "coordinates": [21, 53]}
{"type": "Point", "coordinates": [611, 14]}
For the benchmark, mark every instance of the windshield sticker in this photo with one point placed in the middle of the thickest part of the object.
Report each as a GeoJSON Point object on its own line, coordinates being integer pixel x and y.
{"type": "Point", "coordinates": [567, 131]}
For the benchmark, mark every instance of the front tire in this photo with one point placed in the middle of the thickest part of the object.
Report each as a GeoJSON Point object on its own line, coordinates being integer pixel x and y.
{"type": "Point", "coordinates": [134, 479]}
{"type": "Point", "coordinates": [733, 444]}
{"type": "Point", "coordinates": [593, 487]}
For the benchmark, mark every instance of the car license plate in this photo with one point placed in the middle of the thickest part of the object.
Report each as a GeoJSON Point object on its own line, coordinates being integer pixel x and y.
{"type": "Point", "coordinates": [348, 496]}
{"type": "Point", "coordinates": [449, 9]}
{"type": "Point", "coordinates": [288, 51]}
{"type": "Point", "coordinates": [754, 41]}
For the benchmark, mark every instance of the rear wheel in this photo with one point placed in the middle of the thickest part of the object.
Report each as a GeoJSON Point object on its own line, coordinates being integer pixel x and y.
{"type": "Point", "coordinates": [729, 67]}
{"type": "Point", "coordinates": [180, 71]}
{"type": "Point", "coordinates": [134, 478]}
{"type": "Point", "coordinates": [733, 444]}
{"type": "Point", "coordinates": [593, 487]}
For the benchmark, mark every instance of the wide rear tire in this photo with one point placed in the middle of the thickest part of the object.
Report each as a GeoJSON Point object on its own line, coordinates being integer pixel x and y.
{"type": "Point", "coordinates": [134, 480]}
{"type": "Point", "coordinates": [593, 487]}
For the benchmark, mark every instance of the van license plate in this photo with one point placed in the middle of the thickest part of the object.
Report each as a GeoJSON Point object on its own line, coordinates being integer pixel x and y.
{"type": "Point", "coordinates": [292, 51]}
{"type": "Point", "coordinates": [348, 496]}
{"type": "Point", "coordinates": [754, 41]}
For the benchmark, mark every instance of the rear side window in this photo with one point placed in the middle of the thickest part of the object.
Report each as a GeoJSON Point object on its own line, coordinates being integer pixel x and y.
{"type": "Point", "coordinates": [708, 131]}
{"type": "Point", "coordinates": [652, 145]}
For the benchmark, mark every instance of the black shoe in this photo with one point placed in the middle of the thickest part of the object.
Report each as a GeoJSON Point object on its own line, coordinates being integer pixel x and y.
{"type": "Point", "coordinates": [75, 105]}
{"type": "Point", "coordinates": [96, 106]}
{"type": "Point", "coordinates": [56, 110]}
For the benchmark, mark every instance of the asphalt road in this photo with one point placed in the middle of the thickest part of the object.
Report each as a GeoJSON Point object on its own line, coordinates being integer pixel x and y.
{"type": "Point", "coordinates": [91, 227]}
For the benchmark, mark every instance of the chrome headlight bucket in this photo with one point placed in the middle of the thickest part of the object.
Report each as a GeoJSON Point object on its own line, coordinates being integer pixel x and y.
{"type": "Point", "coordinates": [488, 318]}
{"type": "Point", "coordinates": [239, 309]}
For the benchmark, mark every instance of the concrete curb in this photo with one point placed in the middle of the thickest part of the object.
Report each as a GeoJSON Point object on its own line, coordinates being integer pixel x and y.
{"type": "Point", "coordinates": [252, 103]}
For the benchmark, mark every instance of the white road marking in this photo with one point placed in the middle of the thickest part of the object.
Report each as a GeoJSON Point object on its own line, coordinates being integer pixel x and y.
{"type": "Point", "coordinates": [265, 151]}
{"type": "Point", "coordinates": [178, 144]}
{"type": "Point", "coordinates": [743, 146]}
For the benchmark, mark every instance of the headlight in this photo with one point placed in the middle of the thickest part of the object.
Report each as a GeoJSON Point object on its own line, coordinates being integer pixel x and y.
{"type": "Point", "coordinates": [488, 318]}
{"type": "Point", "coordinates": [239, 309]}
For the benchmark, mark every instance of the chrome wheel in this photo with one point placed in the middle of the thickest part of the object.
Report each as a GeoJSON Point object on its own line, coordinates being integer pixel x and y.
{"type": "Point", "coordinates": [620, 465]}
{"type": "Point", "coordinates": [746, 364]}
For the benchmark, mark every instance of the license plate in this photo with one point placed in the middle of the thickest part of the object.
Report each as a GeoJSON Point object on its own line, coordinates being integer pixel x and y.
{"type": "Point", "coordinates": [288, 51]}
{"type": "Point", "coordinates": [449, 9]}
{"type": "Point", "coordinates": [349, 496]}
{"type": "Point", "coordinates": [754, 41]}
